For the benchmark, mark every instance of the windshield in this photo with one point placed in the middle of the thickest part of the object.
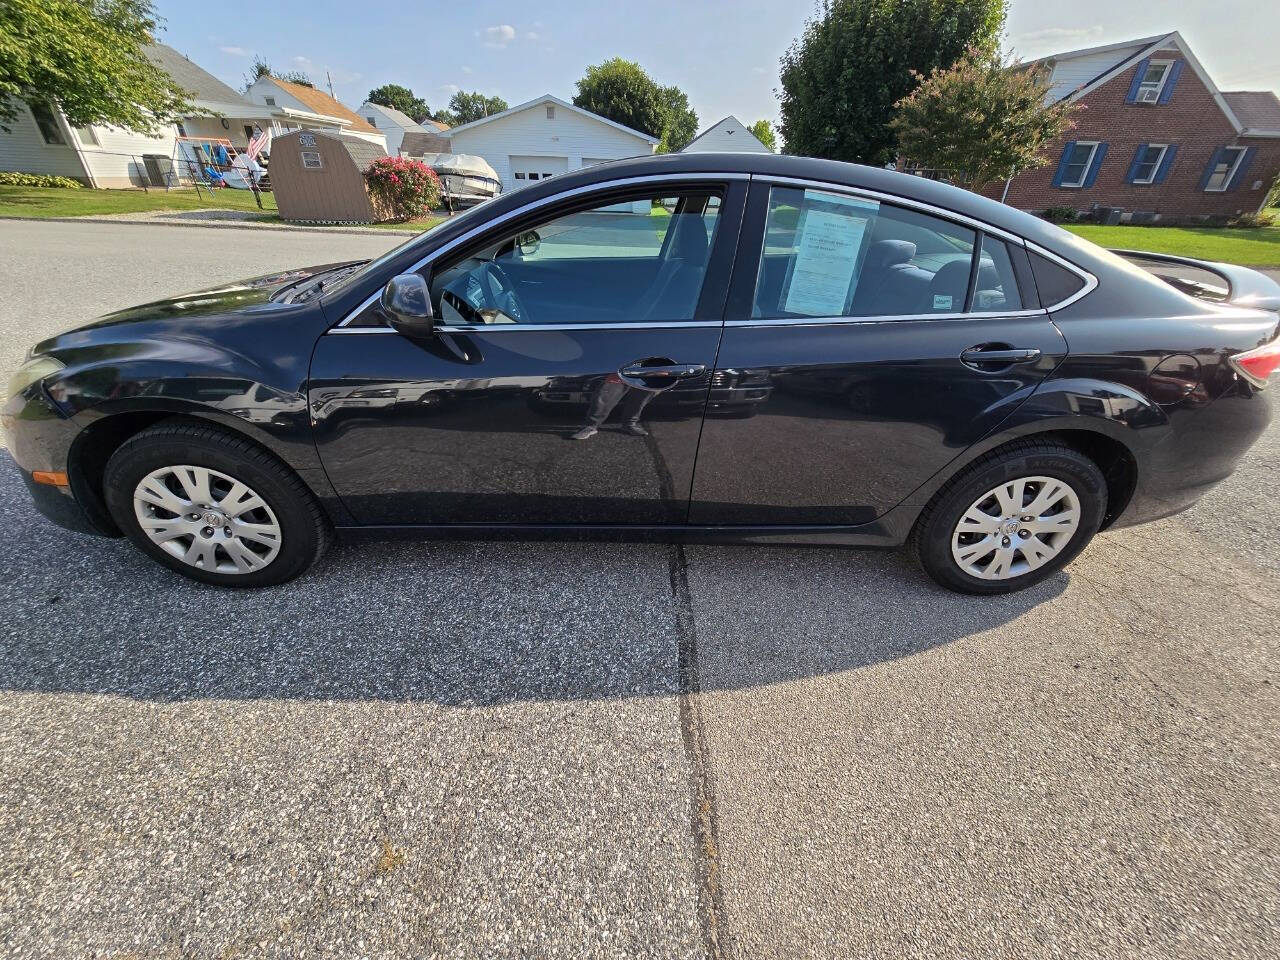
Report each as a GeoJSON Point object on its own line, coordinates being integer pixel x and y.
{"type": "Point", "coordinates": [355, 276]}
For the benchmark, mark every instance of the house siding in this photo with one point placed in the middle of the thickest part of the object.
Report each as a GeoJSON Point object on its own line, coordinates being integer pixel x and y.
{"type": "Point", "coordinates": [23, 150]}
{"type": "Point", "coordinates": [728, 136]}
{"type": "Point", "coordinates": [117, 160]}
{"type": "Point", "coordinates": [1192, 119]}
{"type": "Point", "coordinates": [1071, 75]}
{"type": "Point", "coordinates": [530, 134]}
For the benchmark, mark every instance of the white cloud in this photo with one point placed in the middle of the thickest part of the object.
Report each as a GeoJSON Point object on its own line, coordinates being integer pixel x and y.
{"type": "Point", "coordinates": [450, 88]}
{"type": "Point", "coordinates": [531, 35]}
{"type": "Point", "coordinates": [760, 70]}
{"type": "Point", "coordinates": [498, 36]}
{"type": "Point", "coordinates": [1056, 36]}
{"type": "Point", "coordinates": [304, 64]}
{"type": "Point", "coordinates": [235, 51]}
{"type": "Point", "coordinates": [467, 70]}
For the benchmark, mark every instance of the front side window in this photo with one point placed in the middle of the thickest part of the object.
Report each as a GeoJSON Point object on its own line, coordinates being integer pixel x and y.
{"type": "Point", "coordinates": [1224, 167]}
{"type": "Point", "coordinates": [1077, 168]}
{"type": "Point", "coordinates": [1148, 162]}
{"type": "Point", "coordinates": [830, 255]}
{"type": "Point", "coordinates": [44, 117]}
{"type": "Point", "coordinates": [639, 260]}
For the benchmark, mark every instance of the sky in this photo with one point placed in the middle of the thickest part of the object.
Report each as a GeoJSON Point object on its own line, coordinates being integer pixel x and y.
{"type": "Point", "coordinates": [722, 53]}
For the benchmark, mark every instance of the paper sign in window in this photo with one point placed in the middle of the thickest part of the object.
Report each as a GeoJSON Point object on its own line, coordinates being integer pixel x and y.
{"type": "Point", "coordinates": [829, 240]}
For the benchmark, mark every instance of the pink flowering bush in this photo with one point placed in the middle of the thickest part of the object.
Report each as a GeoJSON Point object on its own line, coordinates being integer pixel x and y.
{"type": "Point", "coordinates": [402, 189]}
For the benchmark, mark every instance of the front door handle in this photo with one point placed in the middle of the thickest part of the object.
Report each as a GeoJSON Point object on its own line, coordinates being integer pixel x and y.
{"type": "Point", "coordinates": [670, 371]}
{"type": "Point", "coordinates": [995, 355]}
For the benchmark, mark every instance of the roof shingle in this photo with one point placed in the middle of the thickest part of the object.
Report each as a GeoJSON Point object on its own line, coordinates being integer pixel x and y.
{"type": "Point", "coordinates": [1255, 109]}
{"type": "Point", "coordinates": [319, 102]}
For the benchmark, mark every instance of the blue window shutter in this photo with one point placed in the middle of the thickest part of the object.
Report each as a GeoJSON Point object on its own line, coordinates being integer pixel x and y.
{"type": "Point", "coordinates": [1166, 164]}
{"type": "Point", "coordinates": [1133, 167]}
{"type": "Point", "coordinates": [1239, 176]}
{"type": "Point", "coordinates": [1175, 71]}
{"type": "Point", "coordinates": [1097, 163]}
{"type": "Point", "coordinates": [1137, 81]}
{"type": "Point", "coordinates": [1213, 162]}
{"type": "Point", "coordinates": [1062, 164]}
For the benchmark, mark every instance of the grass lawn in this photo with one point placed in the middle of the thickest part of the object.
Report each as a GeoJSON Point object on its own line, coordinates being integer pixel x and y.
{"type": "Point", "coordinates": [55, 202]}
{"type": "Point", "coordinates": [1257, 247]}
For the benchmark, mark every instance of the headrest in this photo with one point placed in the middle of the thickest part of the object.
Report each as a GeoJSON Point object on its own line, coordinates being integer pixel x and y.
{"type": "Point", "coordinates": [689, 242]}
{"type": "Point", "coordinates": [889, 253]}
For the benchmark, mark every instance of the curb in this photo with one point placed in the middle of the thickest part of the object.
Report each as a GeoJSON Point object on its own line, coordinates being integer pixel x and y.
{"type": "Point", "coordinates": [224, 225]}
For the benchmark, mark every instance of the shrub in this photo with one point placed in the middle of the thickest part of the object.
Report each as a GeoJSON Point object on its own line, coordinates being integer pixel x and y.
{"type": "Point", "coordinates": [1060, 215]}
{"type": "Point", "coordinates": [1263, 218]}
{"type": "Point", "coordinates": [12, 179]}
{"type": "Point", "coordinates": [402, 189]}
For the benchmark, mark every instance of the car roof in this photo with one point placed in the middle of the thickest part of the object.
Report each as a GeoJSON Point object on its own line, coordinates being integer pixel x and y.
{"type": "Point", "coordinates": [835, 172]}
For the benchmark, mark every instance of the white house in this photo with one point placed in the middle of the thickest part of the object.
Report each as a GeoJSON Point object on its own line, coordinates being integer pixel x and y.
{"type": "Point", "coordinates": [544, 137]}
{"type": "Point", "coordinates": [42, 141]}
{"type": "Point", "coordinates": [727, 136]}
{"type": "Point", "coordinates": [299, 107]}
{"type": "Point", "coordinates": [392, 124]}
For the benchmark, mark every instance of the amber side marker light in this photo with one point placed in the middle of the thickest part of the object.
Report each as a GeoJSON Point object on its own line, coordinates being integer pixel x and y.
{"type": "Point", "coordinates": [51, 477]}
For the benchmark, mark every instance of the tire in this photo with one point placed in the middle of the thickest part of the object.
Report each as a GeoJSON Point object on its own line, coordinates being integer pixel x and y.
{"type": "Point", "coordinates": [240, 544]}
{"type": "Point", "coordinates": [1007, 549]}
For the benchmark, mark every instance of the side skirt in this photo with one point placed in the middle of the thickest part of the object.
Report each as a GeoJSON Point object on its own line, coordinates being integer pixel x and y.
{"type": "Point", "coordinates": [875, 534]}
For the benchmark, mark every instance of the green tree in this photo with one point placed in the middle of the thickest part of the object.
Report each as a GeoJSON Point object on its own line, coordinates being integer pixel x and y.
{"type": "Point", "coordinates": [857, 58]}
{"type": "Point", "coordinates": [980, 120]}
{"type": "Point", "coordinates": [88, 57]}
{"type": "Point", "coordinates": [295, 76]}
{"type": "Point", "coordinates": [621, 91]}
{"type": "Point", "coordinates": [679, 121]}
{"type": "Point", "coordinates": [400, 98]}
{"type": "Point", "coordinates": [466, 107]}
{"type": "Point", "coordinates": [762, 130]}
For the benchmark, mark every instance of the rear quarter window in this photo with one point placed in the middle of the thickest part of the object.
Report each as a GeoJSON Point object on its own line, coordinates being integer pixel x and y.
{"type": "Point", "coordinates": [1054, 282]}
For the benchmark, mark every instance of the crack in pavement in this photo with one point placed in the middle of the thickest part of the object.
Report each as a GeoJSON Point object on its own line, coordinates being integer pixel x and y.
{"type": "Point", "coordinates": [706, 838]}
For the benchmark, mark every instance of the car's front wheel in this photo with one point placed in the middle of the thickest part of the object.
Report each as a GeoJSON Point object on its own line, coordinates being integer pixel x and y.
{"type": "Point", "coordinates": [1012, 519]}
{"type": "Point", "coordinates": [213, 506]}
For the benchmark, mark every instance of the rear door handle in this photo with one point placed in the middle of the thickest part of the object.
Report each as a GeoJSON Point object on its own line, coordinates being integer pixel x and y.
{"type": "Point", "coordinates": [1011, 355]}
{"type": "Point", "coordinates": [671, 371]}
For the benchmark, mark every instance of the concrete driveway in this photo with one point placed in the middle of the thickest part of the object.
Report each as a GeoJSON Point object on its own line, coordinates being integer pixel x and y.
{"type": "Point", "coordinates": [571, 750]}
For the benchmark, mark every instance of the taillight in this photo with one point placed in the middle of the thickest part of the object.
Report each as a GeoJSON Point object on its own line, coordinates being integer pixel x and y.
{"type": "Point", "coordinates": [1258, 365]}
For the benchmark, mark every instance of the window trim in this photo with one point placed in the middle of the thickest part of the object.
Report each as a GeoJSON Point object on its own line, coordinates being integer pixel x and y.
{"type": "Point", "coordinates": [1160, 84]}
{"type": "Point", "coordinates": [730, 177]}
{"type": "Point", "coordinates": [1231, 170]}
{"type": "Point", "coordinates": [1084, 171]}
{"type": "Point", "coordinates": [1155, 168]}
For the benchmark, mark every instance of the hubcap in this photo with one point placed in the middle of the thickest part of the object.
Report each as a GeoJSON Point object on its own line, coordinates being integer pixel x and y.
{"type": "Point", "coordinates": [1015, 528]}
{"type": "Point", "coordinates": [207, 519]}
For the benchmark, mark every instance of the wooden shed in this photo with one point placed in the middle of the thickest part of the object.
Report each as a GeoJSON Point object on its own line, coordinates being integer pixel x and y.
{"type": "Point", "coordinates": [319, 177]}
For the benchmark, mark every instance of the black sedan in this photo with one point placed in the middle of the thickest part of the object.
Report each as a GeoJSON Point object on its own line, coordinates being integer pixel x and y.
{"type": "Point", "coordinates": [728, 347]}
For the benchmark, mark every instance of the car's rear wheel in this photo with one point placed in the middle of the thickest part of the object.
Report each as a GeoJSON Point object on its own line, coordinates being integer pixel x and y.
{"type": "Point", "coordinates": [1012, 519]}
{"type": "Point", "coordinates": [213, 506]}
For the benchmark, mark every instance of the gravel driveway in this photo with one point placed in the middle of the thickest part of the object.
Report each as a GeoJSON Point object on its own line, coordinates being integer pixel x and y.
{"type": "Point", "coordinates": [573, 750]}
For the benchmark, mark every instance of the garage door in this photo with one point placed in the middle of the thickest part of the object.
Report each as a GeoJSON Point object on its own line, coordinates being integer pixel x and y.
{"type": "Point", "coordinates": [525, 170]}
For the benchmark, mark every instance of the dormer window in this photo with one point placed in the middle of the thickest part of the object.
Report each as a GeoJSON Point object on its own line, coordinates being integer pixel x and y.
{"type": "Point", "coordinates": [551, 111]}
{"type": "Point", "coordinates": [1153, 81]}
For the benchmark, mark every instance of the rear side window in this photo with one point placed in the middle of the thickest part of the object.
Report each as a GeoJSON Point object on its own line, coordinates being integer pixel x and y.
{"type": "Point", "coordinates": [997, 287]}
{"type": "Point", "coordinates": [1054, 282]}
{"type": "Point", "coordinates": [830, 255]}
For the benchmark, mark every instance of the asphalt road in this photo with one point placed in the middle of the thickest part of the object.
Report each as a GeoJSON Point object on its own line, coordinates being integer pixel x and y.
{"type": "Point", "coordinates": [616, 750]}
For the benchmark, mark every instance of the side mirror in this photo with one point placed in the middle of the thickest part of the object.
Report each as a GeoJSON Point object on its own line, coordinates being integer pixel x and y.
{"type": "Point", "coordinates": [406, 300]}
{"type": "Point", "coordinates": [528, 242]}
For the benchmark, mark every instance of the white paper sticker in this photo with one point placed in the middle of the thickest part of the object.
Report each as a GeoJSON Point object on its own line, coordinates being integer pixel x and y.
{"type": "Point", "coordinates": [942, 301]}
{"type": "Point", "coordinates": [831, 231]}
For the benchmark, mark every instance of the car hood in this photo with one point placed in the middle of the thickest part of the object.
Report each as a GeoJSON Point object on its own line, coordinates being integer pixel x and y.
{"type": "Point", "coordinates": [254, 296]}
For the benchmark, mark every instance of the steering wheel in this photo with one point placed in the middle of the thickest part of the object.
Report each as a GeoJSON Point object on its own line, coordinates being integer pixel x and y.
{"type": "Point", "coordinates": [500, 292]}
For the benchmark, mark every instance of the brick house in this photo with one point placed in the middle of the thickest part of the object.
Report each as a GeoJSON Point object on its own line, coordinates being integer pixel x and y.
{"type": "Point", "coordinates": [1157, 139]}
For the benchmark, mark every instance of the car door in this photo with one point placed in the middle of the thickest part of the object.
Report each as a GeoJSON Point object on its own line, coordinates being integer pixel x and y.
{"type": "Point", "coordinates": [566, 377]}
{"type": "Point", "coordinates": [885, 338]}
